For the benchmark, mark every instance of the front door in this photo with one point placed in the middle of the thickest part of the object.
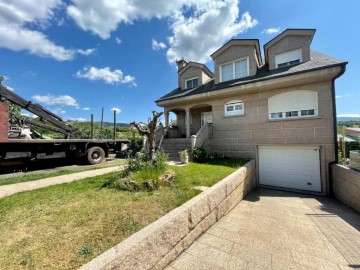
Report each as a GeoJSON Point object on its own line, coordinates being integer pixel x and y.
{"type": "Point", "coordinates": [206, 117]}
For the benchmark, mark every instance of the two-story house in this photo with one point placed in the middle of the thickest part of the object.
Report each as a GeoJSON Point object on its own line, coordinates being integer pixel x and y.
{"type": "Point", "coordinates": [279, 111]}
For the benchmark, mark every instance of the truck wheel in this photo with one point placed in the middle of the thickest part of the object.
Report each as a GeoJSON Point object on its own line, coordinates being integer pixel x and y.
{"type": "Point", "coordinates": [95, 155]}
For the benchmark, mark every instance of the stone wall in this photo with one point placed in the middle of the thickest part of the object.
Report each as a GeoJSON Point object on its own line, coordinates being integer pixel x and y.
{"type": "Point", "coordinates": [346, 185]}
{"type": "Point", "coordinates": [158, 244]}
{"type": "Point", "coordinates": [4, 121]}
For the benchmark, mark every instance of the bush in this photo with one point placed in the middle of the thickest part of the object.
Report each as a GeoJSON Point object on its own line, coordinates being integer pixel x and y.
{"type": "Point", "coordinates": [199, 155]}
{"type": "Point", "coordinates": [141, 172]}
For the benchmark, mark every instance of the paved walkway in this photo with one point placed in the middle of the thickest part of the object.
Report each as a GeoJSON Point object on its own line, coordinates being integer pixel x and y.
{"type": "Point", "coordinates": [8, 190]}
{"type": "Point", "coordinates": [278, 230]}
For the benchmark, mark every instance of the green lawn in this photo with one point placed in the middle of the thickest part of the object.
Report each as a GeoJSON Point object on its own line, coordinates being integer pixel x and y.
{"type": "Point", "coordinates": [65, 226]}
{"type": "Point", "coordinates": [30, 176]}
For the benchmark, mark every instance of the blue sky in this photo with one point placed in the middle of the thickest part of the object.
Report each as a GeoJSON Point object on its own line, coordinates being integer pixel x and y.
{"type": "Point", "coordinates": [76, 56]}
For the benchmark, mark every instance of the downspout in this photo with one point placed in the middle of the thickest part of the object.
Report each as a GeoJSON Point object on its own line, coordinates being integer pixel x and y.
{"type": "Point", "coordinates": [343, 68]}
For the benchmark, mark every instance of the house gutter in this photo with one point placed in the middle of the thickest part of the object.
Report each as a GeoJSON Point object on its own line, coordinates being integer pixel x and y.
{"type": "Point", "coordinates": [343, 69]}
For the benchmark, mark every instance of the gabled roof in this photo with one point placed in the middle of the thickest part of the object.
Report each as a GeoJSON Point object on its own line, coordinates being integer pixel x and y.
{"type": "Point", "coordinates": [318, 61]}
{"type": "Point", "coordinates": [240, 42]}
{"type": "Point", "coordinates": [288, 32]}
{"type": "Point", "coordinates": [197, 65]}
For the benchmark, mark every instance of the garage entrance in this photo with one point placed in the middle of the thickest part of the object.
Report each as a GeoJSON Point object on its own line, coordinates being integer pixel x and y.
{"type": "Point", "coordinates": [290, 167]}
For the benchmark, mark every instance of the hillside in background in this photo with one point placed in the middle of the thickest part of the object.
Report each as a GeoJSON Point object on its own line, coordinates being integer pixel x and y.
{"type": "Point", "coordinates": [346, 119]}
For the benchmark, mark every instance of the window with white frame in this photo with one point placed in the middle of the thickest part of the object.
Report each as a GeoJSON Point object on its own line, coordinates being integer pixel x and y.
{"type": "Point", "coordinates": [293, 104]}
{"type": "Point", "coordinates": [234, 107]}
{"type": "Point", "coordinates": [234, 70]}
{"type": "Point", "coordinates": [191, 83]}
{"type": "Point", "coordinates": [288, 58]}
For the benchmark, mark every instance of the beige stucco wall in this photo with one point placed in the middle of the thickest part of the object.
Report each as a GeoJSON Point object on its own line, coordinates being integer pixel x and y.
{"type": "Point", "coordinates": [346, 184]}
{"type": "Point", "coordinates": [234, 53]}
{"type": "Point", "coordinates": [289, 43]}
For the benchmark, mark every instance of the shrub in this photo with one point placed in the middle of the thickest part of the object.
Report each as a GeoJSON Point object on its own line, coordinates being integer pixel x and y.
{"type": "Point", "coordinates": [199, 155]}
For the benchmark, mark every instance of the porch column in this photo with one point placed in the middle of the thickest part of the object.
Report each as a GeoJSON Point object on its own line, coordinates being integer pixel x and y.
{"type": "Point", "coordinates": [187, 122]}
{"type": "Point", "coordinates": [166, 113]}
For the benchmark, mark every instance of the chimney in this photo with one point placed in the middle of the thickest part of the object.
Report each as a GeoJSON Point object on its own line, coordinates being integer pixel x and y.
{"type": "Point", "coordinates": [181, 63]}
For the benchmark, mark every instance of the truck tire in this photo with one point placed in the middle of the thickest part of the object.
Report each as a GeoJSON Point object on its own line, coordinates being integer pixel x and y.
{"type": "Point", "coordinates": [95, 155]}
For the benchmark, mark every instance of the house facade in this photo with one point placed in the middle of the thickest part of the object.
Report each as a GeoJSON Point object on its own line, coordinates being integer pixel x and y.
{"type": "Point", "coordinates": [279, 111]}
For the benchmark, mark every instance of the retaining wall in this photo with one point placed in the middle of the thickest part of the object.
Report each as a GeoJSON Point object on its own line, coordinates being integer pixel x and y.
{"type": "Point", "coordinates": [158, 244]}
{"type": "Point", "coordinates": [346, 185]}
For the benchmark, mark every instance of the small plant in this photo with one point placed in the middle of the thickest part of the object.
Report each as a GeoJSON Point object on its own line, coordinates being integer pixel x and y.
{"type": "Point", "coordinates": [199, 155]}
{"type": "Point", "coordinates": [215, 155]}
{"type": "Point", "coordinates": [86, 250]}
{"type": "Point", "coordinates": [184, 156]}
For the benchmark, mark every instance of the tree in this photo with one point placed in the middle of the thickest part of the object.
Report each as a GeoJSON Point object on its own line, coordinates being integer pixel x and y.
{"type": "Point", "coordinates": [148, 130]}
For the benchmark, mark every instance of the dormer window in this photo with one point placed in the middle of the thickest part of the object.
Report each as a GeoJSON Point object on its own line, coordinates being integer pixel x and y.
{"type": "Point", "coordinates": [288, 58]}
{"type": "Point", "coordinates": [234, 70]}
{"type": "Point", "coordinates": [191, 83]}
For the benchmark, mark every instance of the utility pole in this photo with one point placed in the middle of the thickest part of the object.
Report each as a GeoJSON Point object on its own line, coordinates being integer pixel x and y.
{"type": "Point", "coordinates": [92, 127]}
{"type": "Point", "coordinates": [102, 123]}
{"type": "Point", "coordinates": [114, 125]}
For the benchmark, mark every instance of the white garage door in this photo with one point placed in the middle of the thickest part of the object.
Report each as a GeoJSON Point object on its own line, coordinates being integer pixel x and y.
{"type": "Point", "coordinates": [295, 167]}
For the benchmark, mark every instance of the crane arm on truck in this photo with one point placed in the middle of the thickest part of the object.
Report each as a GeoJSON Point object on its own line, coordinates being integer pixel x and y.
{"type": "Point", "coordinates": [45, 115]}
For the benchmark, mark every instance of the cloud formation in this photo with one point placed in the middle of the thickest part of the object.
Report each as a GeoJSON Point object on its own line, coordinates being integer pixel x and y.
{"type": "Point", "coordinates": [62, 100]}
{"type": "Point", "coordinates": [105, 74]}
{"type": "Point", "coordinates": [270, 31]}
{"type": "Point", "coordinates": [349, 115]}
{"type": "Point", "coordinates": [16, 18]}
{"type": "Point", "coordinates": [116, 109]}
{"type": "Point", "coordinates": [198, 27]}
{"type": "Point", "coordinates": [156, 46]}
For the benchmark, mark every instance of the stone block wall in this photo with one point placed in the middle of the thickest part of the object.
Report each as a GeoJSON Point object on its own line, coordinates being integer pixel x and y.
{"type": "Point", "coordinates": [290, 43]}
{"type": "Point", "coordinates": [4, 121]}
{"type": "Point", "coordinates": [346, 185]}
{"type": "Point", "coordinates": [234, 53]}
{"type": "Point", "coordinates": [158, 244]}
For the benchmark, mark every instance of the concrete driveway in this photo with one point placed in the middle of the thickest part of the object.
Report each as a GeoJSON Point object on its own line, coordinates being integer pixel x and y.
{"type": "Point", "coordinates": [278, 230]}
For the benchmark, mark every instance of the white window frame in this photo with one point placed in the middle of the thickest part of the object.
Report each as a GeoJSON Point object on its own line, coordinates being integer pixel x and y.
{"type": "Point", "coordinates": [301, 112]}
{"type": "Point", "coordinates": [191, 79]}
{"type": "Point", "coordinates": [234, 112]}
{"type": "Point", "coordinates": [288, 60]}
{"type": "Point", "coordinates": [233, 67]}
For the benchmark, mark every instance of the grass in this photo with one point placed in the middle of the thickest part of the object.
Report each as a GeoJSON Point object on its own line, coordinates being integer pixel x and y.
{"type": "Point", "coordinates": [30, 176]}
{"type": "Point", "coordinates": [65, 226]}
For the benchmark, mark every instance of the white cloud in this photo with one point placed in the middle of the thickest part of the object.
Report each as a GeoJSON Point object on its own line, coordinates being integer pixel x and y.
{"type": "Point", "coordinates": [15, 19]}
{"type": "Point", "coordinates": [58, 111]}
{"type": "Point", "coordinates": [86, 109]}
{"type": "Point", "coordinates": [86, 52]}
{"type": "Point", "coordinates": [349, 115]}
{"type": "Point", "coordinates": [270, 31]}
{"type": "Point", "coordinates": [156, 46]}
{"type": "Point", "coordinates": [338, 96]}
{"type": "Point", "coordinates": [79, 119]}
{"type": "Point", "coordinates": [62, 100]}
{"type": "Point", "coordinates": [118, 40]}
{"type": "Point", "coordinates": [106, 75]}
{"type": "Point", "coordinates": [115, 109]}
{"type": "Point", "coordinates": [199, 27]}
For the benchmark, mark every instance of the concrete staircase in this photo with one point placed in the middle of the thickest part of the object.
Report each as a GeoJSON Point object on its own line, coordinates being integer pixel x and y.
{"type": "Point", "coordinates": [172, 147]}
